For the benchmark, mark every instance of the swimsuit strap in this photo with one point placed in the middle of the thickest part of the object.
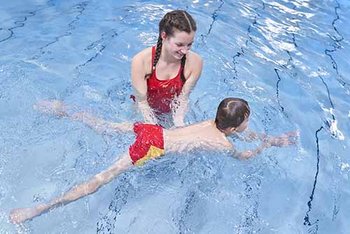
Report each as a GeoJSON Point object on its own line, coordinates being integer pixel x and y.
{"type": "Point", "coordinates": [182, 65]}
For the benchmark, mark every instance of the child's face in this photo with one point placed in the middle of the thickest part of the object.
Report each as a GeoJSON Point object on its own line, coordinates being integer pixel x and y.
{"type": "Point", "coordinates": [243, 126]}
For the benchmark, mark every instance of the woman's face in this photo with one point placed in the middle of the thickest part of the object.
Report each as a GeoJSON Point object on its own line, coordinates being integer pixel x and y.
{"type": "Point", "coordinates": [178, 44]}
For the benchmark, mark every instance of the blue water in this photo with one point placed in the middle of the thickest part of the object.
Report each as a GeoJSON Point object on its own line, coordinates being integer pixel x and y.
{"type": "Point", "coordinates": [289, 59]}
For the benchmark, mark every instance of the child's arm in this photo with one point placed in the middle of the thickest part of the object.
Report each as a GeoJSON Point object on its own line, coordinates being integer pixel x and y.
{"type": "Point", "coordinates": [59, 109]}
{"type": "Point", "coordinates": [286, 139]}
{"type": "Point", "coordinates": [22, 214]}
{"type": "Point", "coordinates": [250, 153]}
{"type": "Point", "coordinates": [249, 136]}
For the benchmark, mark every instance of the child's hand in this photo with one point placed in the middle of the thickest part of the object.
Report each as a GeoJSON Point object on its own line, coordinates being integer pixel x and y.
{"type": "Point", "coordinates": [54, 107]}
{"type": "Point", "coordinates": [246, 154]}
{"type": "Point", "coordinates": [286, 139]}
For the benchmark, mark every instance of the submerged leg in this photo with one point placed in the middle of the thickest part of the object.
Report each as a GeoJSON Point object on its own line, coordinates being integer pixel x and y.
{"type": "Point", "coordinates": [101, 125]}
{"type": "Point", "coordinates": [58, 108]}
{"type": "Point", "coordinates": [122, 164]}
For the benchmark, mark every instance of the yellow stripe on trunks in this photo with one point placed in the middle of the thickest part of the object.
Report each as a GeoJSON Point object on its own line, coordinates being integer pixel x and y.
{"type": "Point", "coordinates": [152, 153]}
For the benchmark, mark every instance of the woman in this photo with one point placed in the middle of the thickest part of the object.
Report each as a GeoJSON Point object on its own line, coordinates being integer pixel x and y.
{"type": "Point", "coordinates": [163, 75]}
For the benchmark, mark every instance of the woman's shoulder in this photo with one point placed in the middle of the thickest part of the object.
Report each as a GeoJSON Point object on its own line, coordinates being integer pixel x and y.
{"type": "Point", "coordinates": [194, 59]}
{"type": "Point", "coordinates": [144, 54]}
{"type": "Point", "coordinates": [194, 55]}
{"type": "Point", "coordinates": [194, 64]}
{"type": "Point", "coordinates": [143, 59]}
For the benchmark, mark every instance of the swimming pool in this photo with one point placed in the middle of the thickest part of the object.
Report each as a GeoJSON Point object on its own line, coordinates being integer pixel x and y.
{"type": "Point", "coordinates": [289, 59]}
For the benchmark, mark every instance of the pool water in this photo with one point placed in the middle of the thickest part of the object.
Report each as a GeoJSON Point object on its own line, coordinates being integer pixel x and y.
{"type": "Point", "coordinates": [289, 59]}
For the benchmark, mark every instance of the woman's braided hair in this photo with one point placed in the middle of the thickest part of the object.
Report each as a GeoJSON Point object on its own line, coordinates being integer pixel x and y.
{"type": "Point", "coordinates": [177, 19]}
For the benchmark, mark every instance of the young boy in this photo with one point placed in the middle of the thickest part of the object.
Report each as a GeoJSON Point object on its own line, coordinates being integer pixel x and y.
{"type": "Point", "coordinates": [152, 141]}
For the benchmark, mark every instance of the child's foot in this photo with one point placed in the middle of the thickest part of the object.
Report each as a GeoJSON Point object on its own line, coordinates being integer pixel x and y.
{"type": "Point", "coordinates": [54, 107]}
{"type": "Point", "coordinates": [22, 214]}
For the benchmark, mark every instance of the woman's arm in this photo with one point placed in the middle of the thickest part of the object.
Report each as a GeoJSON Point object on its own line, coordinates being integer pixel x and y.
{"type": "Point", "coordinates": [139, 83]}
{"type": "Point", "coordinates": [180, 105]}
{"type": "Point", "coordinates": [20, 215]}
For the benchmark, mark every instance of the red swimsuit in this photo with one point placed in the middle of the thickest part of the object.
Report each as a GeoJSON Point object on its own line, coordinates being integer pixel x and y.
{"type": "Point", "coordinates": [160, 93]}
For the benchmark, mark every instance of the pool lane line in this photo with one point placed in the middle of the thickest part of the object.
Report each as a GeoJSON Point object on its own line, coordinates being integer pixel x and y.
{"type": "Point", "coordinates": [332, 124]}
{"type": "Point", "coordinates": [214, 16]}
{"type": "Point", "coordinates": [279, 79]}
{"type": "Point", "coordinates": [277, 90]}
{"type": "Point", "coordinates": [250, 39]}
{"type": "Point", "coordinates": [188, 206]}
{"type": "Point", "coordinates": [103, 43]}
{"type": "Point", "coordinates": [309, 203]}
{"type": "Point", "coordinates": [21, 23]}
{"type": "Point", "coordinates": [105, 40]}
{"type": "Point", "coordinates": [124, 190]}
{"type": "Point", "coordinates": [337, 39]}
{"type": "Point", "coordinates": [97, 44]}
{"type": "Point", "coordinates": [328, 94]}
{"type": "Point", "coordinates": [81, 7]}
{"type": "Point", "coordinates": [251, 214]}
{"type": "Point", "coordinates": [18, 24]}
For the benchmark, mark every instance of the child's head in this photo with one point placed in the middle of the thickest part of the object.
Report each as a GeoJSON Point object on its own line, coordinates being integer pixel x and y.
{"type": "Point", "coordinates": [177, 28]}
{"type": "Point", "coordinates": [232, 115]}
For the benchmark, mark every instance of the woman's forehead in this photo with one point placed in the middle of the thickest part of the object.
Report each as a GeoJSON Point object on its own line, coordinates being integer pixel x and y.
{"type": "Point", "coordinates": [183, 36]}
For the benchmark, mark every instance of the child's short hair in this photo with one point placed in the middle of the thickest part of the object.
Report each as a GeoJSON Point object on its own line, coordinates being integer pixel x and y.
{"type": "Point", "coordinates": [231, 113]}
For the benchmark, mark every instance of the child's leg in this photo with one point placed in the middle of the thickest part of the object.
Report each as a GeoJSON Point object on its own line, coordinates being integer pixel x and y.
{"type": "Point", "coordinates": [52, 107]}
{"type": "Point", "coordinates": [122, 164]}
{"type": "Point", "coordinates": [59, 109]}
{"type": "Point", "coordinates": [101, 125]}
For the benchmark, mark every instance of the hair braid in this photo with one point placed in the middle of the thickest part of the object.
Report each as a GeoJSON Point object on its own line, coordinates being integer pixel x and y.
{"type": "Point", "coordinates": [179, 20]}
{"type": "Point", "coordinates": [183, 62]}
{"type": "Point", "coordinates": [158, 50]}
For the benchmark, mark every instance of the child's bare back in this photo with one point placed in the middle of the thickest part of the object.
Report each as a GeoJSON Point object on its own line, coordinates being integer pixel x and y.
{"type": "Point", "coordinates": [202, 135]}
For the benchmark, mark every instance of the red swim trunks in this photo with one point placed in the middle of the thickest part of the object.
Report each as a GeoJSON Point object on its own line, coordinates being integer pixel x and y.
{"type": "Point", "coordinates": [149, 143]}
